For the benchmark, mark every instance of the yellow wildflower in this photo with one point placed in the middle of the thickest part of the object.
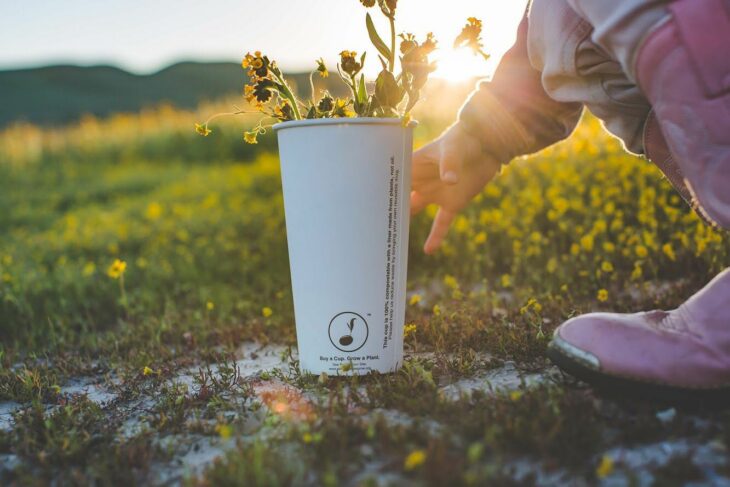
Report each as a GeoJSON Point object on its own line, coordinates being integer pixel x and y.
{"type": "Point", "coordinates": [515, 395]}
{"type": "Point", "coordinates": [415, 299]}
{"type": "Point", "coordinates": [461, 225]}
{"type": "Point", "coordinates": [341, 109]}
{"type": "Point", "coordinates": [604, 468]}
{"type": "Point", "coordinates": [89, 269]}
{"type": "Point", "coordinates": [587, 242]}
{"type": "Point", "coordinates": [506, 280]}
{"type": "Point", "coordinates": [414, 460]}
{"type": "Point", "coordinates": [147, 371]}
{"type": "Point", "coordinates": [153, 211]}
{"type": "Point", "coordinates": [436, 310]}
{"type": "Point", "coordinates": [224, 430]}
{"type": "Point", "coordinates": [209, 305]}
{"type": "Point", "coordinates": [116, 270]}
{"type": "Point", "coordinates": [531, 304]}
{"type": "Point", "coordinates": [409, 329]}
{"type": "Point", "coordinates": [248, 93]}
{"type": "Point", "coordinates": [203, 129]}
{"type": "Point", "coordinates": [669, 251]}
{"type": "Point", "coordinates": [641, 251]}
{"type": "Point", "coordinates": [480, 238]}
{"type": "Point", "coordinates": [606, 266]}
{"type": "Point", "coordinates": [561, 205]}
{"type": "Point", "coordinates": [266, 312]}
{"type": "Point", "coordinates": [250, 137]}
{"type": "Point", "coordinates": [637, 272]}
{"type": "Point", "coordinates": [322, 69]}
{"type": "Point", "coordinates": [602, 295]}
{"type": "Point", "coordinates": [450, 281]}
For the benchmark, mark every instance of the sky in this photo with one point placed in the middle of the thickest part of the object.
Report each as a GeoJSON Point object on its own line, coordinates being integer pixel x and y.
{"type": "Point", "coordinates": [145, 36]}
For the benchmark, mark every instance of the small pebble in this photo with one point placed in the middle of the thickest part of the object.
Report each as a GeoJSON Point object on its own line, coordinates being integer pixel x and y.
{"type": "Point", "coordinates": [666, 416]}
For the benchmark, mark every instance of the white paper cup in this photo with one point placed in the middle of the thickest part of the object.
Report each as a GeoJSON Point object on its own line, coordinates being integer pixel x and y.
{"type": "Point", "coordinates": [347, 185]}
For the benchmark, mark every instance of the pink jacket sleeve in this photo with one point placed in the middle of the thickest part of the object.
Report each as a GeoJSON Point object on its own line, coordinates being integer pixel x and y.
{"type": "Point", "coordinates": [512, 115]}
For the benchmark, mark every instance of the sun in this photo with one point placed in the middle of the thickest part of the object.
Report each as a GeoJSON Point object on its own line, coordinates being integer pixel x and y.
{"type": "Point", "coordinates": [460, 64]}
{"type": "Point", "coordinates": [500, 21]}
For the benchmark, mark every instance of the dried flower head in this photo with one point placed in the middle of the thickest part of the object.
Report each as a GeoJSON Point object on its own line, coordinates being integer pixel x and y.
{"type": "Point", "coordinates": [407, 43]}
{"type": "Point", "coordinates": [326, 103]}
{"type": "Point", "coordinates": [471, 37]}
{"type": "Point", "coordinates": [249, 95]}
{"type": "Point", "coordinates": [388, 7]}
{"type": "Point", "coordinates": [257, 65]}
{"type": "Point", "coordinates": [349, 63]}
{"type": "Point", "coordinates": [284, 111]}
{"type": "Point", "coordinates": [368, 3]}
{"type": "Point", "coordinates": [262, 90]}
{"type": "Point", "coordinates": [416, 65]}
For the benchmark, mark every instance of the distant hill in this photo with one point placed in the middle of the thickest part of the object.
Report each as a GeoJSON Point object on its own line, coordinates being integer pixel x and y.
{"type": "Point", "coordinates": [59, 94]}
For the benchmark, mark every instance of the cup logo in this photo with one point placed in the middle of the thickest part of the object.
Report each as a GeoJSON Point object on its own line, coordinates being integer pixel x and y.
{"type": "Point", "coordinates": [348, 331]}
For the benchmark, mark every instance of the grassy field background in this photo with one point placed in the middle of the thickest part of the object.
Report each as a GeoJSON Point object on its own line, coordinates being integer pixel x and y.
{"type": "Point", "coordinates": [198, 225]}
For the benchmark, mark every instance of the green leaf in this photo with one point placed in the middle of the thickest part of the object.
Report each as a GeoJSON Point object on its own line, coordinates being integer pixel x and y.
{"type": "Point", "coordinates": [362, 94]}
{"type": "Point", "coordinates": [387, 91]}
{"type": "Point", "coordinates": [375, 38]}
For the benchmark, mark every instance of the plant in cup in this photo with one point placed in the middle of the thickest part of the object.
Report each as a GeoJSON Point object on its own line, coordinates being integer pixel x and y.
{"type": "Point", "coordinates": [359, 187]}
{"type": "Point", "coordinates": [393, 95]}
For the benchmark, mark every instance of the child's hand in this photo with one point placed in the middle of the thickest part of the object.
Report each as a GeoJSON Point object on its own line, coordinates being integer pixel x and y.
{"type": "Point", "coordinates": [449, 172]}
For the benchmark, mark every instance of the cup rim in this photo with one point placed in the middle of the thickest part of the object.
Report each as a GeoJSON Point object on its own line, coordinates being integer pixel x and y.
{"type": "Point", "coordinates": [342, 121]}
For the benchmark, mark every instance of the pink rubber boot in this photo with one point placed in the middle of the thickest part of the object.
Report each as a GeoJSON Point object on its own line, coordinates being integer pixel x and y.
{"type": "Point", "coordinates": [678, 354]}
{"type": "Point", "coordinates": [657, 151]}
{"type": "Point", "coordinates": [683, 68]}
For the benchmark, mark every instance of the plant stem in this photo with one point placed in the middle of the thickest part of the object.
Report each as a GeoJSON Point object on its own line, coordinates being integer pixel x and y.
{"type": "Point", "coordinates": [391, 61]}
{"type": "Point", "coordinates": [290, 96]}
{"type": "Point", "coordinates": [125, 303]}
{"type": "Point", "coordinates": [311, 85]}
{"type": "Point", "coordinates": [227, 114]}
{"type": "Point", "coordinates": [353, 79]}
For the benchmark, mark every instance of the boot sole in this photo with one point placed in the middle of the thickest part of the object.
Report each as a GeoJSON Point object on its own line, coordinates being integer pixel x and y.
{"type": "Point", "coordinates": [624, 387]}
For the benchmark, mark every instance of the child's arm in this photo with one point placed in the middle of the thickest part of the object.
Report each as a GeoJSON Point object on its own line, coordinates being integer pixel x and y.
{"type": "Point", "coordinates": [512, 115]}
{"type": "Point", "coordinates": [509, 116]}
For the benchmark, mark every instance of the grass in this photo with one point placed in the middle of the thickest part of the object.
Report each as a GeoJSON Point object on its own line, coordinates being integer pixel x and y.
{"type": "Point", "coordinates": [199, 224]}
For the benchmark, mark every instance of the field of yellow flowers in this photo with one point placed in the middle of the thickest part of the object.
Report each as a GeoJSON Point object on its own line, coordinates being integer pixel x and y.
{"type": "Point", "coordinates": [132, 250]}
